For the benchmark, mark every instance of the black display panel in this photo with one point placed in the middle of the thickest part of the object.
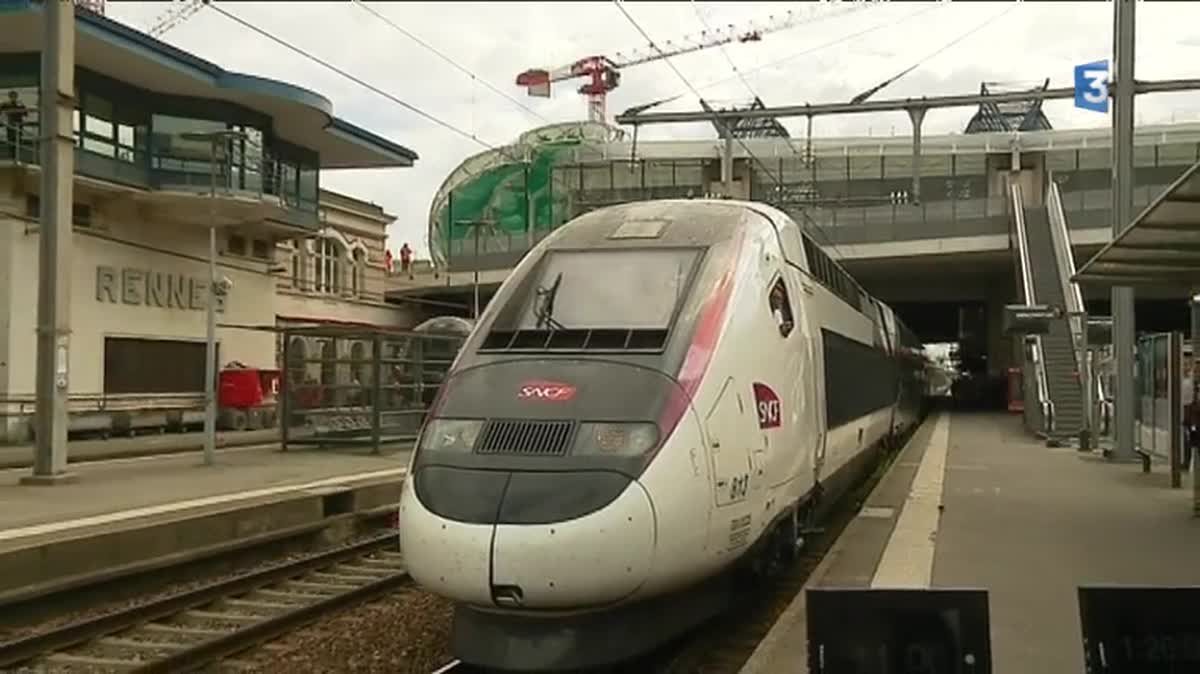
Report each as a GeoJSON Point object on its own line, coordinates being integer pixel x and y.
{"type": "Point", "coordinates": [898, 631]}
{"type": "Point", "coordinates": [1147, 630]}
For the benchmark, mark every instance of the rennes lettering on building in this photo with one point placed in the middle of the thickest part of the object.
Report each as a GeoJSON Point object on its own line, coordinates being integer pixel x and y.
{"type": "Point", "coordinates": [152, 288]}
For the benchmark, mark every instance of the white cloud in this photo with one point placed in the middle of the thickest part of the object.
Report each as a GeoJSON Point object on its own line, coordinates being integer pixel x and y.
{"type": "Point", "coordinates": [1030, 41]}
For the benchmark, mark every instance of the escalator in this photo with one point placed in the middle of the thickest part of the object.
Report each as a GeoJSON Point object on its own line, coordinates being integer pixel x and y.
{"type": "Point", "coordinates": [1042, 266]}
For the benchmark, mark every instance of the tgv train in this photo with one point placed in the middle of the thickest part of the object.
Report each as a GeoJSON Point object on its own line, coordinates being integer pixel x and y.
{"type": "Point", "coordinates": [662, 394]}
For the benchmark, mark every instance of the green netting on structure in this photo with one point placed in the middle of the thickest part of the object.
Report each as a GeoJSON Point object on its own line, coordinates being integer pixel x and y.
{"type": "Point", "coordinates": [512, 188]}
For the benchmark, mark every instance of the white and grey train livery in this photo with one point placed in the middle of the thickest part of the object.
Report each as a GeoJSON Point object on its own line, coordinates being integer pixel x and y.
{"type": "Point", "coordinates": [661, 392]}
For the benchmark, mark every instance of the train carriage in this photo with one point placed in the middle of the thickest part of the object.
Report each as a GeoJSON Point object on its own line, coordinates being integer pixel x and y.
{"type": "Point", "coordinates": [660, 393]}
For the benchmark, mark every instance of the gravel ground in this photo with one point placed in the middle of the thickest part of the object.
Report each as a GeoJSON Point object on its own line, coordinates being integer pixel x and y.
{"type": "Point", "coordinates": [406, 632]}
{"type": "Point", "coordinates": [16, 632]}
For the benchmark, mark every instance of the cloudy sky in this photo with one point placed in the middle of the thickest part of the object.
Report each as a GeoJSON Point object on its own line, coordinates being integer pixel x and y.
{"type": "Point", "coordinates": [835, 51]}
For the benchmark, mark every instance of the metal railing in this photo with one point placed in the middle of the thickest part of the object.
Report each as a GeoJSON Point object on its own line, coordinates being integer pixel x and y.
{"type": "Point", "coordinates": [1045, 404]}
{"type": "Point", "coordinates": [1076, 310]}
{"type": "Point", "coordinates": [254, 178]}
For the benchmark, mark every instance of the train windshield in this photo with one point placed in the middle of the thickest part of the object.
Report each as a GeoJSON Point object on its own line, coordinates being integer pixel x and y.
{"type": "Point", "coordinates": [602, 289]}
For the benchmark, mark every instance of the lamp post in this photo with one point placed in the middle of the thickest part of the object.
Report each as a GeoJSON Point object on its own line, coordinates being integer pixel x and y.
{"type": "Point", "coordinates": [476, 226]}
{"type": "Point", "coordinates": [215, 138]}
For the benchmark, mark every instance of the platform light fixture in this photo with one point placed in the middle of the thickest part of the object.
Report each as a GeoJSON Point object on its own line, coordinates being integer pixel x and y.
{"type": "Point", "coordinates": [215, 139]}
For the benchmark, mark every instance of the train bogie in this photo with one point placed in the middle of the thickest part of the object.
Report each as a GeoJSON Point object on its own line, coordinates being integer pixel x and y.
{"type": "Point", "coordinates": [654, 398]}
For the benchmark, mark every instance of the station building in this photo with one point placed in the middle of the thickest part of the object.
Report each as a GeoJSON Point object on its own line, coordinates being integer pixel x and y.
{"type": "Point", "coordinates": [144, 198]}
{"type": "Point", "coordinates": [938, 248]}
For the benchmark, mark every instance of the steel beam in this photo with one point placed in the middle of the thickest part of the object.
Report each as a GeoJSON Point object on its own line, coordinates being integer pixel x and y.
{"type": "Point", "coordinates": [890, 105]}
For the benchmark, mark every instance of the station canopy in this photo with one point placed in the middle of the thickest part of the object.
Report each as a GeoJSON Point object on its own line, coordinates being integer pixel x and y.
{"type": "Point", "coordinates": [1160, 248]}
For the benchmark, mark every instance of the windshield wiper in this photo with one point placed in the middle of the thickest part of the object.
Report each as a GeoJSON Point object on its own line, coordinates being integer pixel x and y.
{"type": "Point", "coordinates": [545, 312]}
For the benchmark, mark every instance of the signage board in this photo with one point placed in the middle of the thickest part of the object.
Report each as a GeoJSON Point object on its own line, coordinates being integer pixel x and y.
{"type": "Point", "coordinates": [1147, 630]}
{"type": "Point", "coordinates": [168, 290]}
{"type": "Point", "coordinates": [938, 631]}
{"type": "Point", "coordinates": [1028, 319]}
{"type": "Point", "coordinates": [1091, 86]}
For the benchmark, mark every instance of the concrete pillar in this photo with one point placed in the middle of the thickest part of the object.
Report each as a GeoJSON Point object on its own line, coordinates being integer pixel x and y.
{"type": "Point", "coordinates": [54, 249]}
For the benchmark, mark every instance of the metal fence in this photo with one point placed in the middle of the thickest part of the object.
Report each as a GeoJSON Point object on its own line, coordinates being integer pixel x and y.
{"type": "Point", "coordinates": [1162, 391]}
{"type": "Point", "coordinates": [350, 386]}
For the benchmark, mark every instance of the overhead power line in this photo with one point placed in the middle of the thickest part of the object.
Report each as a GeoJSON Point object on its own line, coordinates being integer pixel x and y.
{"type": "Point", "coordinates": [804, 52]}
{"type": "Point", "coordinates": [779, 183]}
{"type": "Point", "coordinates": [360, 82]}
{"type": "Point", "coordinates": [464, 70]}
{"type": "Point", "coordinates": [503, 151]}
{"type": "Point", "coordinates": [925, 59]}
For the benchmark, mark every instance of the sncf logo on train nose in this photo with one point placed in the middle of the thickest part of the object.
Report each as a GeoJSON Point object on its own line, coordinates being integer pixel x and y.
{"type": "Point", "coordinates": [770, 411]}
{"type": "Point", "coordinates": [550, 391]}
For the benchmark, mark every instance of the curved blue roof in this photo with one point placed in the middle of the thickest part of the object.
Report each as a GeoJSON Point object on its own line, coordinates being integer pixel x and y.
{"type": "Point", "coordinates": [125, 36]}
{"type": "Point", "coordinates": [381, 150]}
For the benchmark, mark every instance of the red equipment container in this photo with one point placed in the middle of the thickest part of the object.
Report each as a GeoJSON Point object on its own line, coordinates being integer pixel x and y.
{"type": "Point", "coordinates": [1016, 394]}
{"type": "Point", "coordinates": [246, 397]}
{"type": "Point", "coordinates": [239, 388]}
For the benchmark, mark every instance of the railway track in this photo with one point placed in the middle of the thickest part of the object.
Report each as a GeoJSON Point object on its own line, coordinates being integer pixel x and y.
{"type": "Point", "coordinates": [723, 645]}
{"type": "Point", "coordinates": [199, 627]}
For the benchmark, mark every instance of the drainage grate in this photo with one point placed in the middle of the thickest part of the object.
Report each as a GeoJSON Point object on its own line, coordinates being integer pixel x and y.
{"type": "Point", "coordinates": [532, 438]}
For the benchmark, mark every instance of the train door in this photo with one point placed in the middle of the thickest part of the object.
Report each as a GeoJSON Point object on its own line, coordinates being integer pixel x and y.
{"type": "Point", "coordinates": [729, 448]}
{"type": "Point", "coordinates": [785, 409]}
{"type": "Point", "coordinates": [805, 438]}
{"type": "Point", "coordinates": [731, 436]}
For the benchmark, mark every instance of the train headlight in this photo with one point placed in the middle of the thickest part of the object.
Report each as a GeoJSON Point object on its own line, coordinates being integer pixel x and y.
{"type": "Point", "coordinates": [616, 439]}
{"type": "Point", "coordinates": [451, 435]}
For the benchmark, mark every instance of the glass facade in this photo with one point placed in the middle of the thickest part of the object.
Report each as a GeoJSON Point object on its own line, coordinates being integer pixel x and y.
{"type": "Point", "coordinates": [132, 136]}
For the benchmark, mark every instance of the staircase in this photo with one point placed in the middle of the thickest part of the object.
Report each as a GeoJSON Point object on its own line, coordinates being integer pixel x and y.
{"type": "Point", "coordinates": [1058, 349]}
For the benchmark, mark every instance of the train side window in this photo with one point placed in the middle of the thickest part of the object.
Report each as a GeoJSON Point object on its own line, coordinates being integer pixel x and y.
{"type": "Point", "coordinates": [781, 307]}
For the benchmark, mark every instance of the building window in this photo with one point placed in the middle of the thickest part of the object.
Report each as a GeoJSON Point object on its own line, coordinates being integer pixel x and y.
{"type": "Point", "coordinates": [781, 307]}
{"type": "Point", "coordinates": [81, 214]}
{"type": "Point", "coordinates": [260, 249]}
{"type": "Point", "coordinates": [359, 272]}
{"type": "Point", "coordinates": [328, 277]}
{"type": "Point", "coordinates": [236, 245]}
{"type": "Point", "coordinates": [295, 269]}
{"type": "Point", "coordinates": [134, 365]}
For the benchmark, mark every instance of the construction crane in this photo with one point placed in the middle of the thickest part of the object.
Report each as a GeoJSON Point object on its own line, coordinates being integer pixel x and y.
{"type": "Point", "coordinates": [604, 73]}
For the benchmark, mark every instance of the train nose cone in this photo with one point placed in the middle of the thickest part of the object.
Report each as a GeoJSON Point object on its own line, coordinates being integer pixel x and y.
{"type": "Point", "coordinates": [448, 558]}
{"type": "Point", "coordinates": [532, 540]}
{"type": "Point", "coordinates": [598, 558]}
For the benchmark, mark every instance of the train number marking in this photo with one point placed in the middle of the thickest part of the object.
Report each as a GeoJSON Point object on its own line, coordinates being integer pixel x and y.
{"type": "Point", "coordinates": [738, 487]}
{"type": "Point", "coordinates": [770, 411]}
{"type": "Point", "coordinates": [548, 391]}
{"type": "Point", "coordinates": [739, 532]}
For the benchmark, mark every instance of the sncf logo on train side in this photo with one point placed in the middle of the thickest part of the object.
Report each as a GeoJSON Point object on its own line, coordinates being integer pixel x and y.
{"type": "Point", "coordinates": [770, 412]}
{"type": "Point", "coordinates": [549, 391]}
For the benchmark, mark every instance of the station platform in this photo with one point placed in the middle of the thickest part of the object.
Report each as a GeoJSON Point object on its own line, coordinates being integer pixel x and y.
{"type": "Point", "coordinates": [974, 501]}
{"type": "Point", "coordinates": [129, 515]}
{"type": "Point", "coordinates": [21, 456]}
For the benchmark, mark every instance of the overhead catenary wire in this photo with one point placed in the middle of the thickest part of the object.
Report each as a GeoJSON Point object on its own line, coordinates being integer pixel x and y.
{"type": "Point", "coordinates": [357, 80]}
{"type": "Point", "coordinates": [818, 227]}
{"type": "Point", "coordinates": [501, 149]}
{"type": "Point", "coordinates": [795, 55]}
{"type": "Point", "coordinates": [463, 69]}
{"type": "Point", "coordinates": [736, 71]}
{"type": "Point", "coordinates": [928, 57]}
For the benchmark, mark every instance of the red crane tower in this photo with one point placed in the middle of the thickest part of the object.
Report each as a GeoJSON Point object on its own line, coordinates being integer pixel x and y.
{"type": "Point", "coordinates": [604, 74]}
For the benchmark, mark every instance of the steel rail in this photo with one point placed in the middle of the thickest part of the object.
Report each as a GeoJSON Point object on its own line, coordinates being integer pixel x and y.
{"type": "Point", "coordinates": [29, 648]}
